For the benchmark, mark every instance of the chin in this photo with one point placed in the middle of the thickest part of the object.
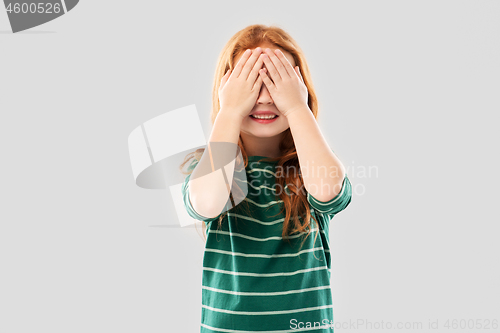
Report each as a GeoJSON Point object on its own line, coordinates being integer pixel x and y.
{"type": "Point", "coordinates": [263, 133]}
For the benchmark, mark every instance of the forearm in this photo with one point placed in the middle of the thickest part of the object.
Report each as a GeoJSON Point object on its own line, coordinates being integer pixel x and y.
{"type": "Point", "coordinates": [227, 127]}
{"type": "Point", "coordinates": [322, 172]}
{"type": "Point", "coordinates": [208, 189]}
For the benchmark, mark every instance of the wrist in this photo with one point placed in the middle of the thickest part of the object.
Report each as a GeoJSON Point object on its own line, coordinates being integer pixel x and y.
{"type": "Point", "coordinates": [231, 114]}
{"type": "Point", "coordinates": [298, 109]}
{"type": "Point", "coordinates": [226, 127]}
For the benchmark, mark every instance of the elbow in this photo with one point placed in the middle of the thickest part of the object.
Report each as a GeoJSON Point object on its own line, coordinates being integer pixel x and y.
{"type": "Point", "coordinates": [207, 204]}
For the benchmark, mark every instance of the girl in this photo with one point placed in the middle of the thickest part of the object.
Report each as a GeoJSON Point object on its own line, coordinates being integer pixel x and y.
{"type": "Point", "coordinates": [261, 271]}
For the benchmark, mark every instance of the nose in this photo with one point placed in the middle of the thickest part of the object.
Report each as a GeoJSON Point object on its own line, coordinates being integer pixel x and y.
{"type": "Point", "coordinates": [264, 96]}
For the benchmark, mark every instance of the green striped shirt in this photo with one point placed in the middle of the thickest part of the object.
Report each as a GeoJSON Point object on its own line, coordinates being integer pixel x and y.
{"type": "Point", "coordinates": [253, 280]}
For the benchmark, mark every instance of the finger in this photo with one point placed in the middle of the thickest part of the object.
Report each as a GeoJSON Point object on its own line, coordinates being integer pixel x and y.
{"type": "Point", "coordinates": [279, 69]}
{"type": "Point", "coordinates": [297, 69]}
{"type": "Point", "coordinates": [241, 62]}
{"type": "Point", "coordinates": [257, 84]}
{"type": "Point", "coordinates": [271, 70]}
{"type": "Point", "coordinates": [255, 70]}
{"type": "Point", "coordinates": [265, 72]}
{"type": "Point", "coordinates": [284, 61]}
{"type": "Point", "coordinates": [224, 79]}
{"type": "Point", "coordinates": [250, 63]}
{"type": "Point", "coordinates": [269, 84]}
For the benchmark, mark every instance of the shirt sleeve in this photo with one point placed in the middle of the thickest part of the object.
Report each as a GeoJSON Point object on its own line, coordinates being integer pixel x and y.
{"type": "Point", "coordinates": [335, 205]}
{"type": "Point", "coordinates": [187, 201]}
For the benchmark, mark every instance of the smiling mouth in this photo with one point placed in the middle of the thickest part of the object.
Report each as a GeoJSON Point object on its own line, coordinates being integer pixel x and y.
{"type": "Point", "coordinates": [264, 117]}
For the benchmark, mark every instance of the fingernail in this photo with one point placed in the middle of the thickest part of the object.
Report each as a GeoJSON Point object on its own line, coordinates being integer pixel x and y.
{"type": "Point", "coordinates": [247, 51]}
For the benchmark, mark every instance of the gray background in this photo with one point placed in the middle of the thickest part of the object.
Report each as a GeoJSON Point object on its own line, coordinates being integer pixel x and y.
{"type": "Point", "coordinates": [407, 87]}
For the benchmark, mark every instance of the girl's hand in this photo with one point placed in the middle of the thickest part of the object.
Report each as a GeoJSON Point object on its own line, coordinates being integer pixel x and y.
{"type": "Point", "coordinates": [240, 88]}
{"type": "Point", "coordinates": [287, 87]}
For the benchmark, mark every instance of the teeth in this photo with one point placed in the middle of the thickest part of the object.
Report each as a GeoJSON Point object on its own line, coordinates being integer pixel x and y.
{"type": "Point", "coordinates": [264, 117]}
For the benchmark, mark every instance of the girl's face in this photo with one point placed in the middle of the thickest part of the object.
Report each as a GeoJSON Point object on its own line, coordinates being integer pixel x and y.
{"type": "Point", "coordinates": [264, 102]}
